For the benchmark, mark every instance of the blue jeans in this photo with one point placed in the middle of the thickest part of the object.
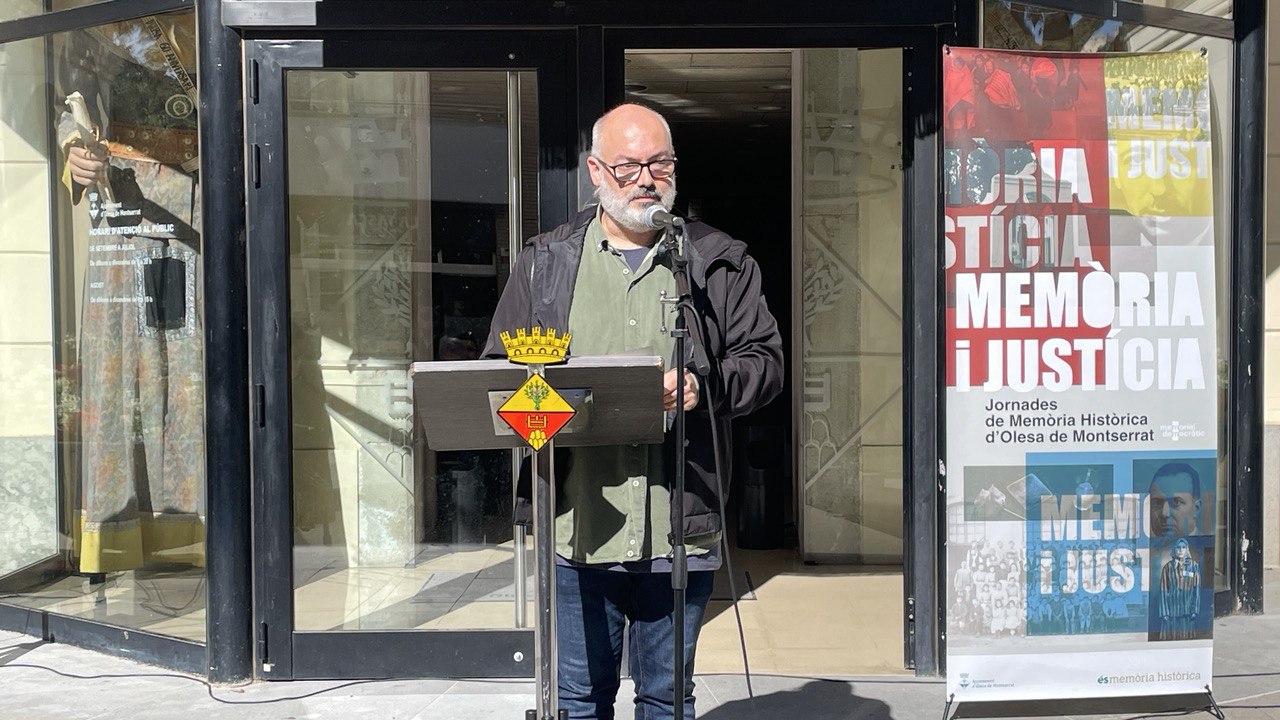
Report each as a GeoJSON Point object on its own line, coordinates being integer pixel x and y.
{"type": "Point", "coordinates": [591, 607]}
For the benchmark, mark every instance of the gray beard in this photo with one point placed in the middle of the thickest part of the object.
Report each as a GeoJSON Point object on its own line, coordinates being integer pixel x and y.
{"type": "Point", "coordinates": [617, 204]}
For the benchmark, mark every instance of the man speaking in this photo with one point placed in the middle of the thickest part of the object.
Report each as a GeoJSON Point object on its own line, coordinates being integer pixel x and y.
{"type": "Point", "coordinates": [600, 276]}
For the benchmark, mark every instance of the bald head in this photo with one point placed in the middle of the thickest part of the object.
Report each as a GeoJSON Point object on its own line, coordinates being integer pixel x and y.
{"type": "Point", "coordinates": [636, 140]}
{"type": "Point", "coordinates": [629, 127]}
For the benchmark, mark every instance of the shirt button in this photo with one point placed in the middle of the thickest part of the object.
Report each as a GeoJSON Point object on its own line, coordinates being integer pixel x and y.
{"type": "Point", "coordinates": [633, 541]}
{"type": "Point", "coordinates": [626, 271]}
{"type": "Point", "coordinates": [631, 553]}
{"type": "Point", "coordinates": [635, 483]}
{"type": "Point", "coordinates": [631, 322]}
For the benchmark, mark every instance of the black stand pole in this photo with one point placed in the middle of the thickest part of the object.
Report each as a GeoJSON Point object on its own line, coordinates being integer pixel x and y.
{"type": "Point", "coordinates": [546, 670]}
{"type": "Point", "coordinates": [674, 249]}
{"type": "Point", "coordinates": [679, 561]}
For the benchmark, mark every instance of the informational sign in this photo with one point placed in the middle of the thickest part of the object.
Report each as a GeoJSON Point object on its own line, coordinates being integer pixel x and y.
{"type": "Point", "coordinates": [536, 412]}
{"type": "Point", "coordinates": [1082, 374]}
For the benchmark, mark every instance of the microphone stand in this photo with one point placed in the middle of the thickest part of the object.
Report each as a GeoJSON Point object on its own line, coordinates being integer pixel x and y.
{"type": "Point", "coordinates": [673, 247]}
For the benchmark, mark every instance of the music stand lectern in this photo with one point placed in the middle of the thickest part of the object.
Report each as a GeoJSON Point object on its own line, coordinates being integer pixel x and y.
{"type": "Point", "coordinates": [617, 399]}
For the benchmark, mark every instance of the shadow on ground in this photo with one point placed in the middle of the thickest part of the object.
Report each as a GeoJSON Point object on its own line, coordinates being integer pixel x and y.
{"type": "Point", "coordinates": [817, 700]}
{"type": "Point", "coordinates": [9, 653]}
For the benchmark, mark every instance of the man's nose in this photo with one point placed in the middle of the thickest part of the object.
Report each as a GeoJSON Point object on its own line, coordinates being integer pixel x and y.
{"type": "Point", "coordinates": [646, 170]}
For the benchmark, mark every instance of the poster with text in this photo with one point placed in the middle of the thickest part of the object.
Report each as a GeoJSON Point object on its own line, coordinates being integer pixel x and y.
{"type": "Point", "coordinates": [1082, 374]}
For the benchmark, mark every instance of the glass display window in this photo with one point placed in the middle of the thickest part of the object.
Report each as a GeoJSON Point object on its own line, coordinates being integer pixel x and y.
{"type": "Point", "coordinates": [103, 443]}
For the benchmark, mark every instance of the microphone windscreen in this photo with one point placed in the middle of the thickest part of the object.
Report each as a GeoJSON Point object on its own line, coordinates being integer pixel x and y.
{"type": "Point", "coordinates": [651, 216]}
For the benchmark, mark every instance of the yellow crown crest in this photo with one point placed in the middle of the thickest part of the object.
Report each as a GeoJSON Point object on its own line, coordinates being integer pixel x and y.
{"type": "Point", "coordinates": [536, 346]}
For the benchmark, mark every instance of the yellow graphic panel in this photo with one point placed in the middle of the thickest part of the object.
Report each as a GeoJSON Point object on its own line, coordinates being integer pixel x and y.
{"type": "Point", "coordinates": [1158, 123]}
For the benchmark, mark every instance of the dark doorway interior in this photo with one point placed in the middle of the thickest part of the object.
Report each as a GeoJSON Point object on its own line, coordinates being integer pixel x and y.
{"type": "Point", "coordinates": [730, 116]}
{"type": "Point", "coordinates": [757, 130]}
{"type": "Point", "coordinates": [735, 174]}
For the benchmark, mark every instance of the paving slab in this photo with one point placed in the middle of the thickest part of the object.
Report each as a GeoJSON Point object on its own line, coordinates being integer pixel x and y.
{"type": "Point", "coordinates": [50, 681]}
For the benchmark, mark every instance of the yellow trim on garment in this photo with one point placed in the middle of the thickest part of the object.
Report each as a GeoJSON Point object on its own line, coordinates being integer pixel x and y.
{"type": "Point", "coordinates": [163, 538]}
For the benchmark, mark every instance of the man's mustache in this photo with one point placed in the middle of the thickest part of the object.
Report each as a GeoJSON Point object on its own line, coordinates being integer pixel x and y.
{"type": "Point", "coordinates": [644, 193]}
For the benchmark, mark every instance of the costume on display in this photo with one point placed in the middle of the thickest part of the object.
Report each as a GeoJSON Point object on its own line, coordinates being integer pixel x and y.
{"type": "Point", "coordinates": [128, 86]}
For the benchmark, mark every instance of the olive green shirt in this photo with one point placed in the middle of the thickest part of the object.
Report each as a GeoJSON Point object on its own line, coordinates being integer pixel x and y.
{"type": "Point", "coordinates": [615, 507]}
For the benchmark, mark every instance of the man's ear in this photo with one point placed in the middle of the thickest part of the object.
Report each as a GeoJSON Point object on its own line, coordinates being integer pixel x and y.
{"type": "Point", "coordinates": [594, 168]}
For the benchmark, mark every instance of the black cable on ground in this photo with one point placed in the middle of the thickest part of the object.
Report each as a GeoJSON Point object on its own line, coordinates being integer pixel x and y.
{"type": "Point", "coordinates": [209, 687]}
{"type": "Point", "coordinates": [723, 542]}
{"type": "Point", "coordinates": [716, 447]}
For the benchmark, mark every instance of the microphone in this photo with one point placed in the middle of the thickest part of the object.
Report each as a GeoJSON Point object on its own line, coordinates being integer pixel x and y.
{"type": "Point", "coordinates": [659, 218]}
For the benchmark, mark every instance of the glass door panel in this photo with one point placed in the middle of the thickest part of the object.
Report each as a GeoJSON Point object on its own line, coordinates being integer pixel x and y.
{"type": "Point", "coordinates": [407, 192]}
{"type": "Point", "coordinates": [849, 201]}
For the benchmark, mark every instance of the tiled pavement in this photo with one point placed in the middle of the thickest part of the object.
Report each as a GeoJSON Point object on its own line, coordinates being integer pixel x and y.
{"type": "Point", "coordinates": [1247, 682]}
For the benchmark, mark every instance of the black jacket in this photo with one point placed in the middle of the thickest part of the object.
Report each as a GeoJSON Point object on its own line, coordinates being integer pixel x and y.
{"type": "Point", "coordinates": [741, 336]}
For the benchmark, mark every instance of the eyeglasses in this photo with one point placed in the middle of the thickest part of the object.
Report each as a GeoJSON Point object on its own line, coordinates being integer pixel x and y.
{"type": "Point", "coordinates": [628, 172]}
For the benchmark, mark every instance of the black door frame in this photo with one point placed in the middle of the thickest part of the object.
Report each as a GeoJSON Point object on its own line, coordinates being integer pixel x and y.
{"type": "Point", "coordinates": [922, 279]}
{"type": "Point", "coordinates": [282, 652]}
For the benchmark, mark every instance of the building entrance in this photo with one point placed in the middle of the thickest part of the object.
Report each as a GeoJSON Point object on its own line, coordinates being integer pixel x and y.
{"type": "Point", "coordinates": [798, 153]}
{"type": "Point", "coordinates": [389, 192]}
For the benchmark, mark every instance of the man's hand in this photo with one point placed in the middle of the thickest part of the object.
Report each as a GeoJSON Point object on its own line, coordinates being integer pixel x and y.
{"type": "Point", "coordinates": [88, 164]}
{"type": "Point", "coordinates": [669, 390]}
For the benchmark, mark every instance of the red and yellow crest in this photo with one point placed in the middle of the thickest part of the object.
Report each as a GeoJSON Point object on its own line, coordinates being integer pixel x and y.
{"type": "Point", "coordinates": [536, 412]}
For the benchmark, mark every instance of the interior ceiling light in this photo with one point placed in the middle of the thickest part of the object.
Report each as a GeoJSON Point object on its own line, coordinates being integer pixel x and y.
{"type": "Point", "coordinates": [768, 108]}
{"type": "Point", "coordinates": [779, 86]}
{"type": "Point", "coordinates": [633, 87]}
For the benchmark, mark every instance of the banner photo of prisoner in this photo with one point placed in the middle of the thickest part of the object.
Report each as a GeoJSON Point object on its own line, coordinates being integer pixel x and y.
{"type": "Point", "coordinates": [1082, 374]}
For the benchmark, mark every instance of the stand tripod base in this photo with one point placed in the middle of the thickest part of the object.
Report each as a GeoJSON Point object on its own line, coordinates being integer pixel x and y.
{"type": "Point", "coordinates": [533, 715]}
{"type": "Point", "coordinates": [1210, 707]}
{"type": "Point", "coordinates": [1214, 709]}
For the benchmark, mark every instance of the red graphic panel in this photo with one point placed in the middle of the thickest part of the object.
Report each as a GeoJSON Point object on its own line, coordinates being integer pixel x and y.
{"type": "Point", "coordinates": [1026, 190]}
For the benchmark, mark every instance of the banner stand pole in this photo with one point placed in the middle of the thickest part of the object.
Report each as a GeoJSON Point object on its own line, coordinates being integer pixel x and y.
{"type": "Point", "coordinates": [946, 711]}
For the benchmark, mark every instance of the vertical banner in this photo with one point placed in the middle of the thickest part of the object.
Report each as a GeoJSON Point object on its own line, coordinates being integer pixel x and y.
{"type": "Point", "coordinates": [1082, 405]}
